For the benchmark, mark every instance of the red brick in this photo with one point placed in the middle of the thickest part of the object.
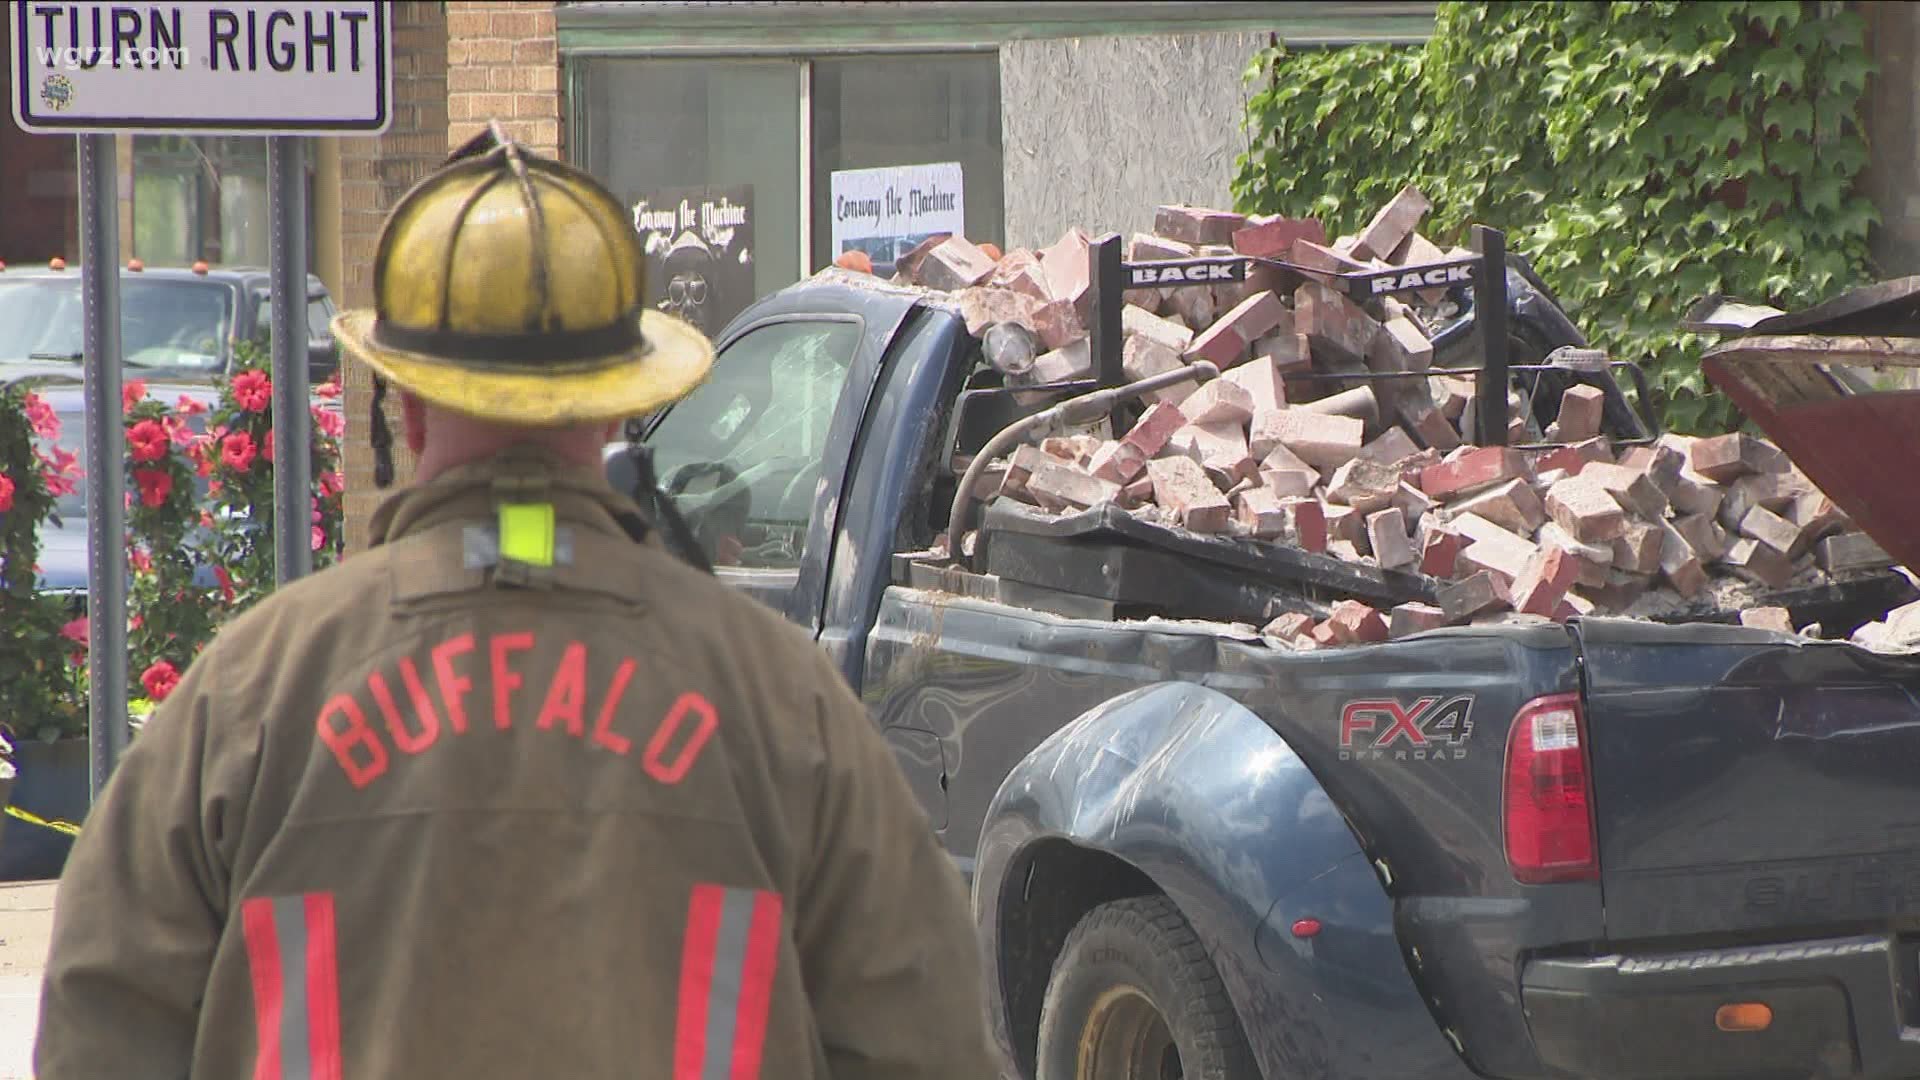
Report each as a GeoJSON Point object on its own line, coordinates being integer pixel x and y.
{"type": "Point", "coordinates": [1583, 508]}
{"type": "Point", "coordinates": [1817, 517]}
{"type": "Point", "coordinates": [1414, 618]}
{"type": "Point", "coordinates": [982, 307]}
{"type": "Point", "coordinates": [1638, 549]}
{"type": "Point", "coordinates": [1273, 237]}
{"type": "Point", "coordinates": [1075, 361]}
{"type": "Point", "coordinates": [1434, 428]}
{"type": "Point", "coordinates": [1221, 448]}
{"type": "Point", "coordinates": [1417, 250]}
{"type": "Point", "coordinates": [1463, 600]}
{"type": "Point", "coordinates": [1151, 433]}
{"type": "Point", "coordinates": [1365, 485]}
{"type": "Point", "coordinates": [1145, 247]}
{"type": "Point", "coordinates": [1771, 529]}
{"type": "Point", "coordinates": [1229, 339]}
{"type": "Point", "coordinates": [1440, 553]}
{"type": "Point", "coordinates": [1392, 447]}
{"type": "Point", "coordinates": [1324, 634]}
{"type": "Point", "coordinates": [1450, 395]}
{"type": "Point", "coordinates": [1332, 321]}
{"type": "Point", "coordinates": [1354, 623]}
{"type": "Point", "coordinates": [1777, 619]}
{"type": "Point", "coordinates": [1118, 462]}
{"type": "Point", "coordinates": [1760, 563]}
{"type": "Point", "coordinates": [1513, 506]}
{"type": "Point", "coordinates": [1289, 352]}
{"type": "Point", "coordinates": [1704, 535]}
{"type": "Point", "coordinates": [1545, 580]}
{"type": "Point", "coordinates": [1306, 523]}
{"type": "Point", "coordinates": [1137, 321]}
{"type": "Point", "coordinates": [1288, 483]}
{"type": "Point", "coordinates": [1142, 357]}
{"type": "Point", "coordinates": [1411, 501]}
{"type": "Point", "coordinates": [1490, 547]}
{"type": "Point", "coordinates": [1057, 324]}
{"type": "Point", "coordinates": [1580, 413]}
{"type": "Point", "coordinates": [1325, 442]}
{"type": "Point", "coordinates": [1260, 378]}
{"type": "Point", "coordinates": [1387, 536]}
{"type": "Point", "coordinates": [1469, 470]}
{"type": "Point", "coordinates": [1020, 468]}
{"type": "Point", "coordinates": [954, 265]}
{"type": "Point", "coordinates": [1632, 489]}
{"type": "Point", "coordinates": [1392, 224]}
{"type": "Point", "coordinates": [1680, 564]}
{"type": "Point", "coordinates": [1345, 523]}
{"type": "Point", "coordinates": [1593, 561]}
{"type": "Point", "coordinates": [1219, 402]}
{"type": "Point", "coordinates": [1066, 267]}
{"type": "Point", "coordinates": [1564, 459]}
{"type": "Point", "coordinates": [1182, 487]}
{"type": "Point", "coordinates": [1315, 255]}
{"type": "Point", "coordinates": [1725, 458]}
{"type": "Point", "coordinates": [1259, 510]}
{"type": "Point", "coordinates": [1058, 485]}
{"type": "Point", "coordinates": [1289, 626]}
{"type": "Point", "coordinates": [1196, 225]}
{"type": "Point", "coordinates": [1139, 492]}
{"type": "Point", "coordinates": [1660, 462]}
{"type": "Point", "coordinates": [1851, 552]}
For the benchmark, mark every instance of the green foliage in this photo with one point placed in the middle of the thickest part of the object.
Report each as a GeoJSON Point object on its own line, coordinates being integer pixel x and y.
{"type": "Point", "coordinates": [1642, 155]}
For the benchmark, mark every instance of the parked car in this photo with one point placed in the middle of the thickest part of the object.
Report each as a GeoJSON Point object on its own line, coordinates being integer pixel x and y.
{"type": "Point", "coordinates": [180, 323]}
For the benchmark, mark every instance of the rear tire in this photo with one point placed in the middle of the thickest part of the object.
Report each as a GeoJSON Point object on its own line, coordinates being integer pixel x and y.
{"type": "Point", "coordinates": [1134, 997]}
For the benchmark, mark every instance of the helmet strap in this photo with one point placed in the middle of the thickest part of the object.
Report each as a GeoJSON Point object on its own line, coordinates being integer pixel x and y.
{"type": "Point", "coordinates": [660, 506]}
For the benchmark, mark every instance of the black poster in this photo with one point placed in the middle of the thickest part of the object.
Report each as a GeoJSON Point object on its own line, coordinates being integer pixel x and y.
{"type": "Point", "coordinates": [699, 252]}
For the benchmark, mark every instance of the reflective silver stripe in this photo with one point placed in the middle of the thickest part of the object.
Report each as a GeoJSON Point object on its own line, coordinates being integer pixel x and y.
{"type": "Point", "coordinates": [723, 999]}
{"type": "Point", "coordinates": [296, 1044]}
{"type": "Point", "coordinates": [480, 546]}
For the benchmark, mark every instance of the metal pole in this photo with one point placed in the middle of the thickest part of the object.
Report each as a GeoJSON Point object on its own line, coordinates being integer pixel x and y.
{"type": "Point", "coordinates": [1108, 296]}
{"type": "Point", "coordinates": [107, 731]}
{"type": "Point", "coordinates": [292, 431]}
{"type": "Point", "coordinates": [1490, 319]}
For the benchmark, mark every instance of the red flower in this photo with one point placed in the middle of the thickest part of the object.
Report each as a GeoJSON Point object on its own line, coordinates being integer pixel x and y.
{"type": "Point", "coordinates": [132, 394]}
{"type": "Point", "coordinates": [329, 389]}
{"type": "Point", "coordinates": [187, 406]}
{"type": "Point", "coordinates": [160, 680]}
{"type": "Point", "coordinates": [197, 453]}
{"type": "Point", "coordinates": [215, 487]}
{"type": "Point", "coordinates": [139, 557]}
{"type": "Point", "coordinates": [329, 423]}
{"type": "Point", "coordinates": [147, 440]}
{"type": "Point", "coordinates": [332, 483]}
{"type": "Point", "coordinates": [45, 422]}
{"type": "Point", "coordinates": [76, 631]}
{"type": "Point", "coordinates": [253, 391]}
{"type": "Point", "coordinates": [237, 450]}
{"type": "Point", "coordinates": [177, 430]}
{"type": "Point", "coordinates": [319, 538]}
{"type": "Point", "coordinates": [6, 494]}
{"type": "Point", "coordinates": [206, 516]}
{"type": "Point", "coordinates": [266, 449]}
{"type": "Point", "coordinates": [59, 471]}
{"type": "Point", "coordinates": [155, 486]}
{"type": "Point", "coordinates": [226, 582]}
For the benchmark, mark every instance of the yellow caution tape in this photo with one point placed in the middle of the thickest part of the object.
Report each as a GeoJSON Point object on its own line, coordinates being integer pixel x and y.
{"type": "Point", "coordinates": [34, 819]}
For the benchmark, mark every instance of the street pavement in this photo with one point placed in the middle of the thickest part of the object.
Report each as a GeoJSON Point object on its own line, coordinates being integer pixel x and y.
{"type": "Point", "coordinates": [26, 925]}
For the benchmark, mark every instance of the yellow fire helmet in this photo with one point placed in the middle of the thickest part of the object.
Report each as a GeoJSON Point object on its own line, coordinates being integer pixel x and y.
{"type": "Point", "coordinates": [510, 287]}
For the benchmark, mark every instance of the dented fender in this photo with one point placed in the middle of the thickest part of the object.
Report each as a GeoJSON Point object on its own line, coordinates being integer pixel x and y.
{"type": "Point", "coordinates": [1197, 793]}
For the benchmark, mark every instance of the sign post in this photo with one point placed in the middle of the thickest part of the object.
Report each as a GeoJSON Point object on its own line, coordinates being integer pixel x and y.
{"type": "Point", "coordinates": [282, 70]}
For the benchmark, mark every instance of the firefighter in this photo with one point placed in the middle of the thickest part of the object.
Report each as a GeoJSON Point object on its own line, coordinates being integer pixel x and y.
{"type": "Point", "coordinates": [511, 794]}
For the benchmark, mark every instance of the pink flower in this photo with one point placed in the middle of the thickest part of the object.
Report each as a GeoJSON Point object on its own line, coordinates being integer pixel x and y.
{"type": "Point", "coordinates": [319, 538]}
{"type": "Point", "coordinates": [332, 483]}
{"type": "Point", "coordinates": [132, 394]}
{"type": "Point", "coordinates": [160, 680]}
{"type": "Point", "coordinates": [6, 493]}
{"type": "Point", "coordinates": [329, 423]}
{"type": "Point", "coordinates": [266, 447]}
{"type": "Point", "coordinates": [147, 441]}
{"type": "Point", "coordinates": [177, 430]}
{"type": "Point", "coordinates": [253, 391]}
{"type": "Point", "coordinates": [155, 485]}
{"type": "Point", "coordinates": [329, 389]}
{"type": "Point", "coordinates": [237, 450]}
{"type": "Point", "coordinates": [76, 631]}
{"type": "Point", "coordinates": [189, 407]}
{"type": "Point", "coordinates": [226, 582]}
{"type": "Point", "coordinates": [45, 422]}
{"type": "Point", "coordinates": [59, 471]}
{"type": "Point", "coordinates": [141, 560]}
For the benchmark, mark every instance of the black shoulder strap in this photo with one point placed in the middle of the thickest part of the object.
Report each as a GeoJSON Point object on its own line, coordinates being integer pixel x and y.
{"type": "Point", "coordinates": [660, 506]}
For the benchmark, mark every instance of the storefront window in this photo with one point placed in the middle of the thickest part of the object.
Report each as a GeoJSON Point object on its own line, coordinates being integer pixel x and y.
{"type": "Point", "coordinates": [204, 198]}
{"type": "Point", "coordinates": [705, 155]}
{"type": "Point", "coordinates": [913, 126]}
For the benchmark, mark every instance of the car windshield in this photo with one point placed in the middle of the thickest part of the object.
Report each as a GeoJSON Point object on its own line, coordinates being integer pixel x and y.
{"type": "Point", "coordinates": [163, 324]}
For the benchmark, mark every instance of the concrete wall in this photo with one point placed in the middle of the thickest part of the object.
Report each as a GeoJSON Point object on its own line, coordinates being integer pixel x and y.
{"type": "Point", "coordinates": [1892, 178]}
{"type": "Point", "coordinates": [1099, 131]}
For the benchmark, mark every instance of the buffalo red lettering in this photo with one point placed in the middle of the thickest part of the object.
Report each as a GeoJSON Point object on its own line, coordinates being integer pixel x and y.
{"type": "Point", "coordinates": [603, 727]}
{"type": "Point", "coordinates": [674, 772]}
{"type": "Point", "coordinates": [356, 735]}
{"type": "Point", "coordinates": [407, 742]}
{"type": "Point", "coordinates": [453, 686]}
{"type": "Point", "coordinates": [567, 697]}
{"type": "Point", "coordinates": [505, 679]}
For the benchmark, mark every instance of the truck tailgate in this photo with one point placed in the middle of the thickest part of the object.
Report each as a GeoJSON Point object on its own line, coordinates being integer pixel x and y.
{"type": "Point", "coordinates": [1747, 784]}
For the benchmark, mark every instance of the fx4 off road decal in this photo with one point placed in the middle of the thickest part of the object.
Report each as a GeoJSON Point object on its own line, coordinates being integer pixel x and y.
{"type": "Point", "coordinates": [1427, 729]}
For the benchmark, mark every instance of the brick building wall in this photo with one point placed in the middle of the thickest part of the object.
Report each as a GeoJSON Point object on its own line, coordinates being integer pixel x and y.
{"type": "Point", "coordinates": [374, 173]}
{"type": "Point", "coordinates": [503, 63]}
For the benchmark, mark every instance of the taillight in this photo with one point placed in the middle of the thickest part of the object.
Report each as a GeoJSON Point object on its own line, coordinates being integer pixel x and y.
{"type": "Point", "coordinates": [1548, 797]}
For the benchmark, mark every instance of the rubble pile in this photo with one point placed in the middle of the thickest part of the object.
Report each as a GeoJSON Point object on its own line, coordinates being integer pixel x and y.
{"type": "Point", "coordinates": [1382, 474]}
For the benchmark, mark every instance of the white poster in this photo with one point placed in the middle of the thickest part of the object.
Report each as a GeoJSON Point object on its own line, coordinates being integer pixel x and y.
{"type": "Point", "coordinates": [885, 212]}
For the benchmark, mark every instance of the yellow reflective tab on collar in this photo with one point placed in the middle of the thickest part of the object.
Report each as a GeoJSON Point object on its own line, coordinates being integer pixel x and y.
{"type": "Point", "coordinates": [526, 533]}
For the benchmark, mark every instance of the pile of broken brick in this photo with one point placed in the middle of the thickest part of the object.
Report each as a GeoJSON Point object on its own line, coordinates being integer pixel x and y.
{"type": "Point", "coordinates": [1381, 478]}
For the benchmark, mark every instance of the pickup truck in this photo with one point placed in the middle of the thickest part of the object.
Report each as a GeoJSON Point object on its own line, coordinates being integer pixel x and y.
{"type": "Point", "coordinates": [1605, 848]}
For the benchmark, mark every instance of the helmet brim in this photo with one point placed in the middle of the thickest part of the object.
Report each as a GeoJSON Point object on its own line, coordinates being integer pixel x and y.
{"type": "Point", "coordinates": [673, 361]}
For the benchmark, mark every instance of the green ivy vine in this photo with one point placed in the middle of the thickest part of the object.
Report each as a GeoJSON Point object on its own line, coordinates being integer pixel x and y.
{"type": "Point", "coordinates": [1641, 155]}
